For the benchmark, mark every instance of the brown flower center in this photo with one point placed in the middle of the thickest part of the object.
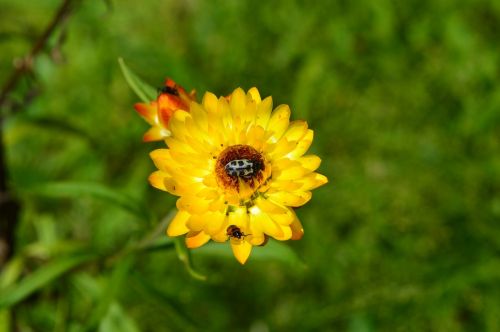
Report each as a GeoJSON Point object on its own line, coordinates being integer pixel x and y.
{"type": "Point", "coordinates": [241, 167]}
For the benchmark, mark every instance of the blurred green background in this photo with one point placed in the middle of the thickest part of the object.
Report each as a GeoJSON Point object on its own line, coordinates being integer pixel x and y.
{"type": "Point", "coordinates": [405, 104]}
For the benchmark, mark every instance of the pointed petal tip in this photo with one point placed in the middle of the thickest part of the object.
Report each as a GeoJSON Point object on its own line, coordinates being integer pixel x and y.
{"type": "Point", "coordinates": [297, 229]}
{"type": "Point", "coordinates": [178, 225]}
{"type": "Point", "coordinates": [146, 111]}
{"type": "Point", "coordinates": [156, 179]}
{"type": "Point", "coordinates": [254, 94]}
{"type": "Point", "coordinates": [322, 179]}
{"type": "Point", "coordinates": [241, 250]}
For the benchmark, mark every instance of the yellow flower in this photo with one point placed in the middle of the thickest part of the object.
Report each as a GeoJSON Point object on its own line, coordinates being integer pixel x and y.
{"type": "Point", "coordinates": [239, 169]}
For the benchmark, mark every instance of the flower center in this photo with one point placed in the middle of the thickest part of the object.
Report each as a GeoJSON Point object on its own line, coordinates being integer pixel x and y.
{"type": "Point", "coordinates": [241, 169]}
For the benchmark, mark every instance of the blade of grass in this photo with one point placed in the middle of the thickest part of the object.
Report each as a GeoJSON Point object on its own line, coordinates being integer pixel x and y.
{"type": "Point", "coordinates": [143, 90]}
{"type": "Point", "coordinates": [5, 320]}
{"type": "Point", "coordinates": [115, 282]}
{"type": "Point", "coordinates": [178, 315]}
{"type": "Point", "coordinates": [41, 277]}
{"type": "Point", "coordinates": [76, 189]}
{"type": "Point", "coordinates": [116, 320]}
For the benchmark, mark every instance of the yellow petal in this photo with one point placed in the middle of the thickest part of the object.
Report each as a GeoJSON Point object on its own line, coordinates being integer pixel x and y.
{"type": "Point", "coordinates": [216, 130]}
{"type": "Point", "coordinates": [256, 236]}
{"type": "Point", "coordinates": [219, 205]}
{"type": "Point", "coordinates": [178, 225]}
{"type": "Point", "coordinates": [269, 207]}
{"type": "Point", "coordinates": [196, 239]}
{"type": "Point", "coordinates": [256, 241]}
{"type": "Point", "coordinates": [302, 146]}
{"type": "Point", "coordinates": [210, 102]}
{"type": "Point", "coordinates": [296, 130]}
{"type": "Point", "coordinates": [254, 94]}
{"type": "Point", "coordinates": [187, 185]}
{"type": "Point", "coordinates": [196, 222]}
{"type": "Point", "coordinates": [177, 124]}
{"type": "Point", "coordinates": [193, 204]}
{"type": "Point", "coordinates": [241, 250]}
{"type": "Point", "coordinates": [312, 181]}
{"type": "Point", "coordinates": [228, 128]}
{"type": "Point", "coordinates": [215, 224]}
{"type": "Point", "coordinates": [296, 227]}
{"type": "Point", "coordinates": [279, 122]}
{"type": "Point", "coordinates": [264, 112]}
{"type": "Point", "coordinates": [248, 115]}
{"type": "Point", "coordinates": [178, 145]}
{"type": "Point", "coordinates": [261, 220]}
{"type": "Point", "coordinates": [238, 102]}
{"type": "Point", "coordinates": [310, 162]}
{"type": "Point", "coordinates": [255, 137]}
{"type": "Point", "coordinates": [157, 178]}
{"type": "Point", "coordinates": [165, 161]}
{"type": "Point", "coordinates": [239, 218]}
{"type": "Point", "coordinates": [286, 185]}
{"type": "Point", "coordinates": [284, 163]}
{"type": "Point", "coordinates": [220, 236]}
{"type": "Point", "coordinates": [284, 219]}
{"type": "Point", "coordinates": [173, 187]}
{"type": "Point", "coordinates": [208, 193]}
{"type": "Point", "coordinates": [281, 148]}
{"type": "Point", "coordinates": [286, 233]}
{"type": "Point", "coordinates": [156, 134]}
{"type": "Point", "coordinates": [289, 173]}
{"type": "Point", "coordinates": [161, 158]}
{"type": "Point", "coordinates": [294, 199]}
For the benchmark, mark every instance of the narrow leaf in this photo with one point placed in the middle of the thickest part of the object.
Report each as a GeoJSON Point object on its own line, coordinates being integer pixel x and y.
{"type": "Point", "coordinates": [77, 189]}
{"type": "Point", "coordinates": [143, 90]}
{"type": "Point", "coordinates": [115, 283]}
{"type": "Point", "coordinates": [116, 320]}
{"type": "Point", "coordinates": [5, 320]}
{"type": "Point", "coordinates": [41, 277]}
{"type": "Point", "coordinates": [11, 271]}
{"type": "Point", "coordinates": [179, 317]}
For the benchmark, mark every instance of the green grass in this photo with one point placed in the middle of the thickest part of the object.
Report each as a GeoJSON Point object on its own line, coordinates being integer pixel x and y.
{"type": "Point", "coordinates": [404, 101]}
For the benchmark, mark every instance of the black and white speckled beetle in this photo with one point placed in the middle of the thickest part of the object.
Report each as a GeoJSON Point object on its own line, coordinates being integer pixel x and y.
{"type": "Point", "coordinates": [243, 168]}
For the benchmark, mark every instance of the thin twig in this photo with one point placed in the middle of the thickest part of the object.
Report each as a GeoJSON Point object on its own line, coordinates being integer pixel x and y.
{"type": "Point", "coordinates": [25, 65]}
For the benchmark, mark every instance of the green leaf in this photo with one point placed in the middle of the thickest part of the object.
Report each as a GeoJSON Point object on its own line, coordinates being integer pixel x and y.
{"type": "Point", "coordinates": [77, 189]}
{"type": "Point", "coordinates": [116, 320]}
{"type": "Point", "coordinates": [185, 256]}
{"type": "Point", "coordinates": [273, 250]}
{"type": "Point", "coordinates": [58, 125]}
{"type": "Point", "coordinates": [41, 277]}
{"type": "Point", "coordinates": [115, 283]}
{"type": "Point", "coordinates": [11, 271]}
{"type": "Point", "coordinates": [5, 320]}
{"type": "Point", "coordinates": [143, 90]}
{"type": "Point", "coordinates": [170, 302]}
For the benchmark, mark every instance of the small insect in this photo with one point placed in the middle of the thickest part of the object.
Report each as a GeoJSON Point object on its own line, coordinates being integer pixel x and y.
{"type": "Point", "coordinates": [235, 232]}
{"type": "Point", "coordinates": [168, 89]}
{"type": "Point", "coordinates": [244, 168]}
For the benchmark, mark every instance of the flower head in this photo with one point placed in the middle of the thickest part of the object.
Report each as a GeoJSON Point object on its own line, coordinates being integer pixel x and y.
{"type": "Point", "coordinates": [171, 98]}
{"type": "Point", "coordinates": [238, 168]}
